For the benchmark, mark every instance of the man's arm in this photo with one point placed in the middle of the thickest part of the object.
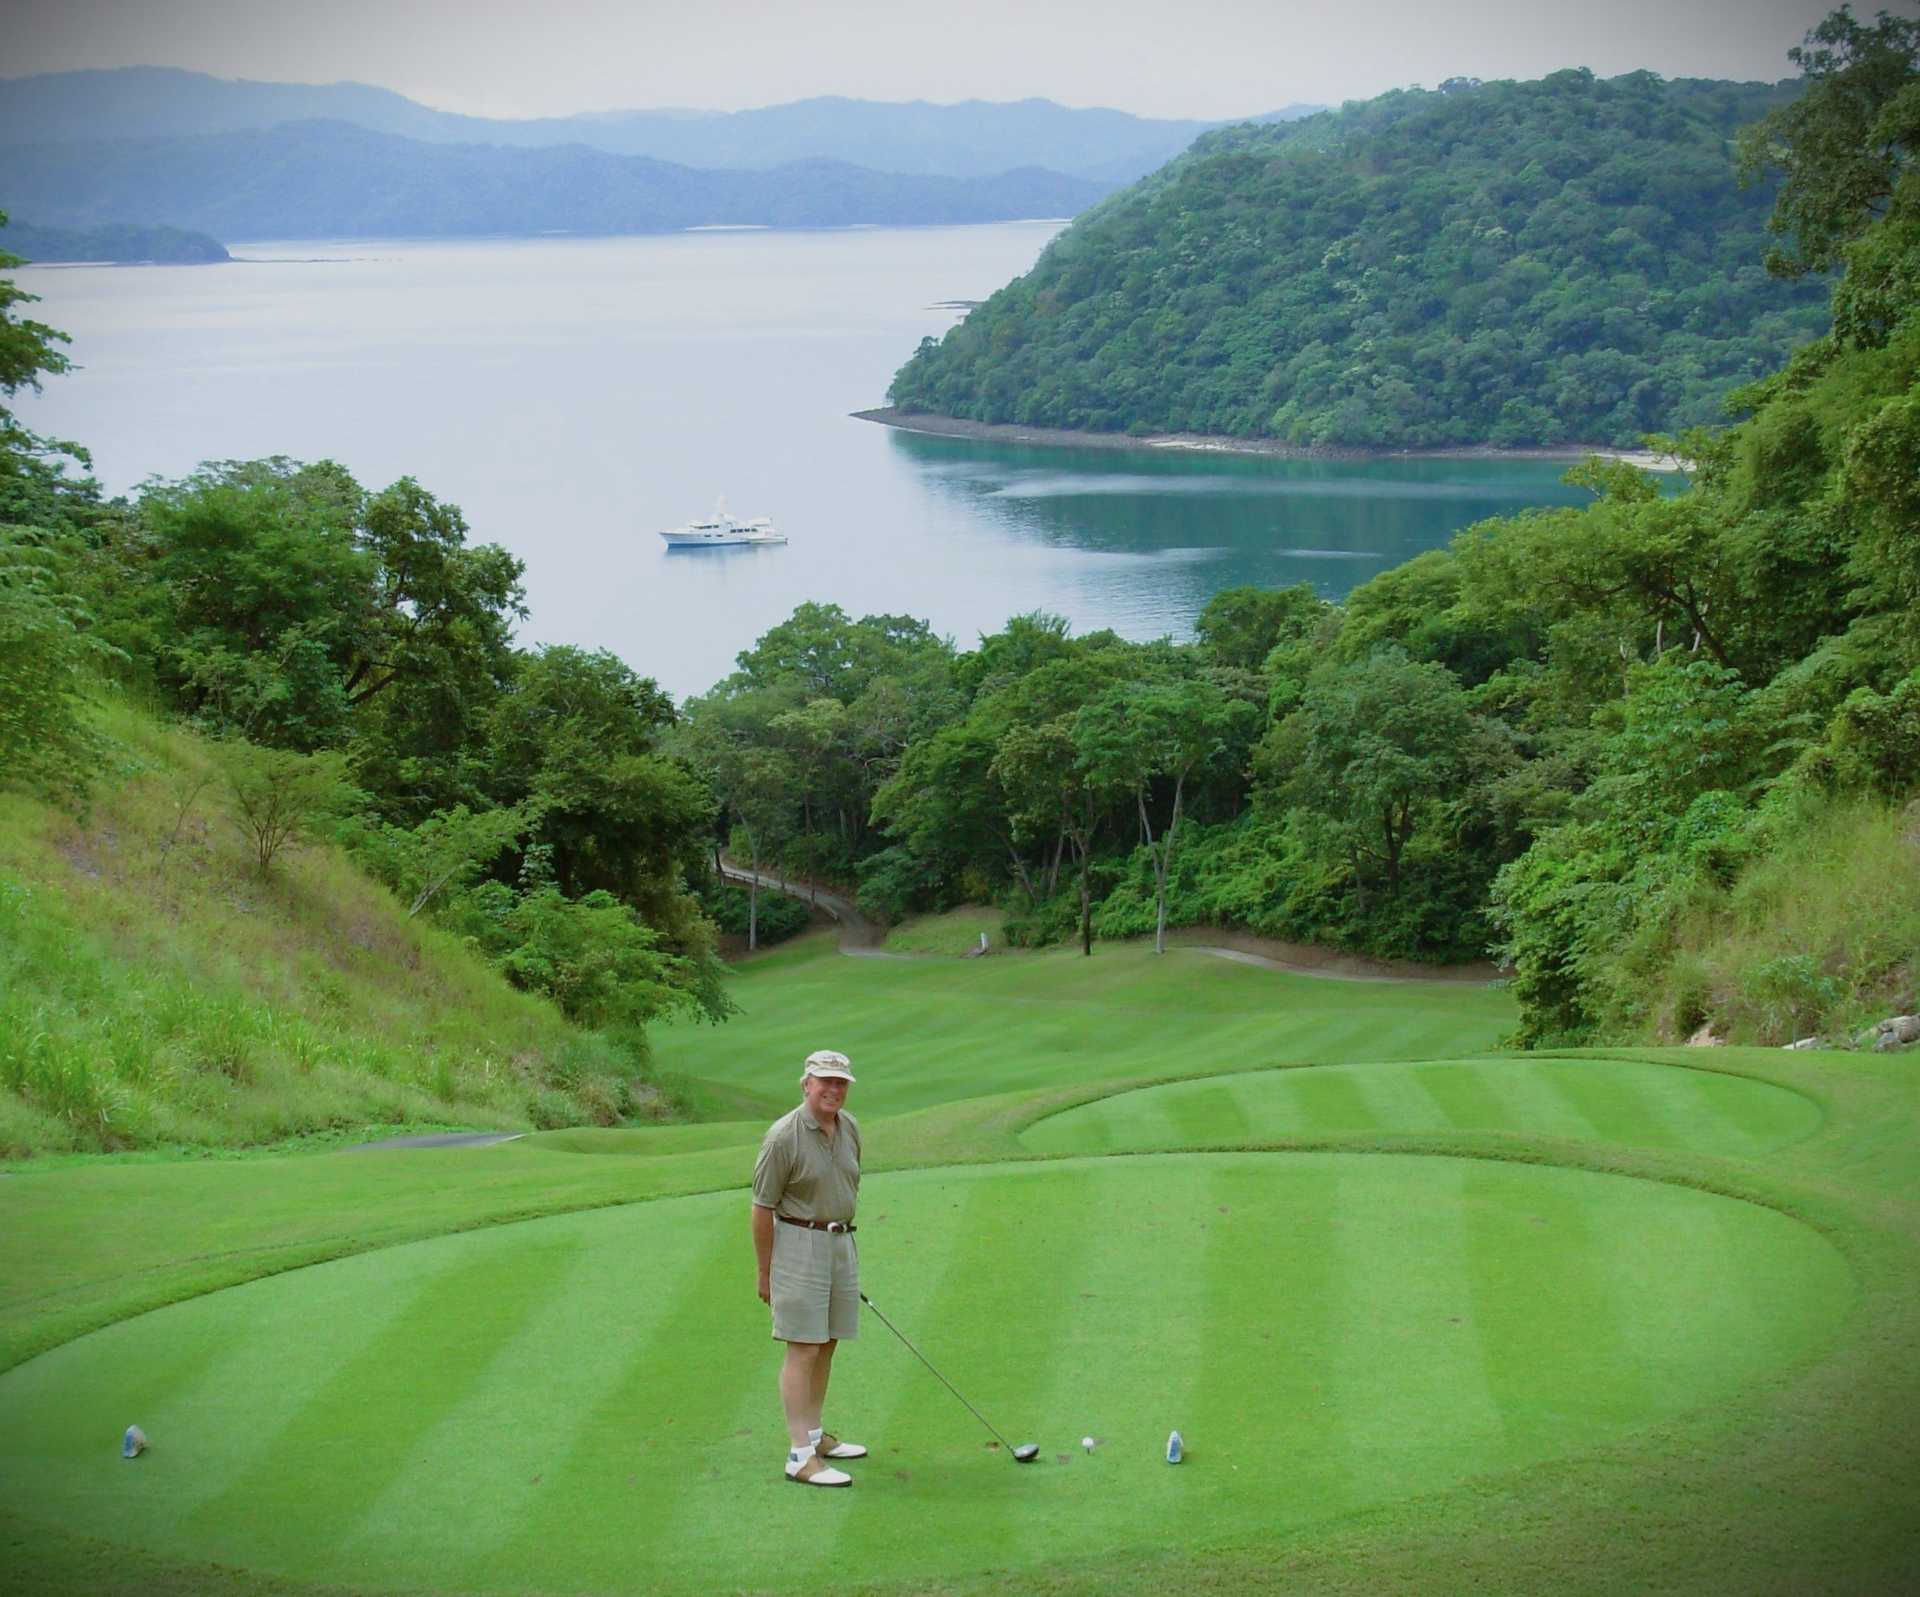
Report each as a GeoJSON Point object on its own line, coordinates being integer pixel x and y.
{"type": "Point", "coordinates": [763, 1249]}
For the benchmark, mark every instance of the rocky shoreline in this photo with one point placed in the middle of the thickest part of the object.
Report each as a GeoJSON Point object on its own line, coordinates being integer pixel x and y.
{"type": "Point", "coordinates": [1273, 448]}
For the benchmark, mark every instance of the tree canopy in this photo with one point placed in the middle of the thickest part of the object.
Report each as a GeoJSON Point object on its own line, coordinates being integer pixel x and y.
{"type": "Point", "coordinates": [1568, 260]}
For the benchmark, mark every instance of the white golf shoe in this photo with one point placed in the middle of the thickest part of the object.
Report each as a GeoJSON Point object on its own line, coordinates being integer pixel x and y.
{"type": "Point", "coordinates": [830, 1446]}
{"type": "Point", "coordinates": [806, 1468]}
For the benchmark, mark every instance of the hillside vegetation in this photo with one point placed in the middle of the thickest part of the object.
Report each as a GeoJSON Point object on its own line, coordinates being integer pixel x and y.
{"type": "Point", "coordinates": [157, 989]}
{"type": "Point", "coordinates": [1507, 263]}
{"type": "Point", "coordinates": [122, 244]}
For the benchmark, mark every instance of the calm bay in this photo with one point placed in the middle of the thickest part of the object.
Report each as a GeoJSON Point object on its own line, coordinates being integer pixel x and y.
{"type": "Point", "coordinates": [576, 396]}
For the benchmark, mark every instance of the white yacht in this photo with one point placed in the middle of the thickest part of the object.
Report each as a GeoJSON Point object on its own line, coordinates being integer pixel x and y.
{"type": "Point", "coordinates": [721, 528]}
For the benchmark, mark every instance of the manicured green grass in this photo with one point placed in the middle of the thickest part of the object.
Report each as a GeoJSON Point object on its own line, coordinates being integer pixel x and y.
{"type": "Point", "coordinates": [1591, 1323]}
{"type": "Point", "coordinates": [927, 1031]}
{"type": "Point", "coordinates": [1606, 1100]}
{"type": "Point", "coordinates": [1384, 1326]}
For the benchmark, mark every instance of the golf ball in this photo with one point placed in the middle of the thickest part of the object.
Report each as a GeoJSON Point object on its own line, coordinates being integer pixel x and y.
{"type": "Point", "coordinates": [1087, 1443]}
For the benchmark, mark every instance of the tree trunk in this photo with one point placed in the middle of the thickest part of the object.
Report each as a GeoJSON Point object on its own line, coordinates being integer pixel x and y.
{"type": "Point", "coordinates": [1086, 903]}
{"type": "Point", "coordinates": [1163, 868]}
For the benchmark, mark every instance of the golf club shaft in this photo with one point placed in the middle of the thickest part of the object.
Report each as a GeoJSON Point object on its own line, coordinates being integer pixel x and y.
{"type": "Point", "coordinates": [937, 1375]}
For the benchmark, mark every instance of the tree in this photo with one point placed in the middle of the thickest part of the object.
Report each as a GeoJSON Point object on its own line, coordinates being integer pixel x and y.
{"type": "Point", "coordinates": [1845, 144]}
{"type": "Point", "coordinates": [1051, 794]}
{"type": "Point", "coordinates": [435, 605]}
{"type": "Point", "coordinates": [26, 347]}
{"type": "Point", "coordinates": [1242, 626]}
{"type": "Point", "coordinates": [1145, 735]}
{"type": "Point", "coordinates": [445, 852]}
{"type": "Point", "coordinates": [276, 795]}
{"type": "Point", "coordinates": [46, 661]}
{"type": "Point", "coordinates": [1374, 746]}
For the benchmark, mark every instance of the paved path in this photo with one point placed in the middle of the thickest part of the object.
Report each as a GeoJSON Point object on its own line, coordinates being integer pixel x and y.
{"type": "Point", "coordinates": [861, 937]}
{"type": "Point", "coordinates": [858, 935]}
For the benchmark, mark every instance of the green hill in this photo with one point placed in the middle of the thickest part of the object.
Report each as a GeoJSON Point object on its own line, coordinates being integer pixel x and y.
{"type": "Point", "coordinates": [118, 242]}
{"type": "Point", "coordinates": [156, 990]}
{"type": "Point", "coordinates": [1568, 260]}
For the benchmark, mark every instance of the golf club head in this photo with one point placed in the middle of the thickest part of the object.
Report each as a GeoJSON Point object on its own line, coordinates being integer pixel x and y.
{"type": "Point", "coordinates": [1026, 1452]}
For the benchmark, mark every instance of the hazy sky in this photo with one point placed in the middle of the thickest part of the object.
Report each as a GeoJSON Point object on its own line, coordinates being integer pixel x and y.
{"type": "Point", "coordinates": [1202, 58]}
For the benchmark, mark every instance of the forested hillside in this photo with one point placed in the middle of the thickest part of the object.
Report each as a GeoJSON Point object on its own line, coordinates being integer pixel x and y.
{"type": "Point", "coordinates": [1569, 260]}
{"type": "Point", "coordinates": [122, 244]}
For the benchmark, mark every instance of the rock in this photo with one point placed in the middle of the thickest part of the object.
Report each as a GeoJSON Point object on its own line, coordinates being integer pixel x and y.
{"type": "Point", "coordinates": [1896, 1031]}
{"type": "Point", "coordinates": [1706, 1037]}
{"type": "Point", "coordinates": [1805, 1042]}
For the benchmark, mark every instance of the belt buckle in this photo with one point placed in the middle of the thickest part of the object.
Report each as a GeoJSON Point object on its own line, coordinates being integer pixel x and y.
{"type": "Point", "coordinates": [836, 1225]}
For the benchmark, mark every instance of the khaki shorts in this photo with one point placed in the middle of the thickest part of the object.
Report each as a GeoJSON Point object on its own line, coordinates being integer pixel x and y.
{"type": "Point", "coordinates": [816, 1285]}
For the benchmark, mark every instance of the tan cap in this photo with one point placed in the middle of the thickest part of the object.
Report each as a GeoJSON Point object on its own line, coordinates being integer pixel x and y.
{"type": "Point", "coordinates": [826, 1062]}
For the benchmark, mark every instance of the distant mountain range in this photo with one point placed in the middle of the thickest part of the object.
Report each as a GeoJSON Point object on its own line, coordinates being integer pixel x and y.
{"type": "Point", "coordinates": [973, 139]}
{"type": "Point", "coordinates": [310, 180]}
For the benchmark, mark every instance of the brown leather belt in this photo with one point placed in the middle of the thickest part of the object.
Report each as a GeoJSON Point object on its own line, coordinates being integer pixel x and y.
{"type": "Point", "coordinates": [835, 1226]}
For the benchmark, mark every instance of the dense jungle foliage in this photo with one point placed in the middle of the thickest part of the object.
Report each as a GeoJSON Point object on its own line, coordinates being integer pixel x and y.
{"type": "Point", "coordinates": [1661, 752]}
{"type": "Point", "coordinates": [1569, 260]}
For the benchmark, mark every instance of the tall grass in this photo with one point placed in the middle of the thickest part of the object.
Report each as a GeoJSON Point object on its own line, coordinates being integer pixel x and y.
{"type": "Point", "coordinates": [1819, 937]}
{"type": "Point", "coordinates": [154, 989]}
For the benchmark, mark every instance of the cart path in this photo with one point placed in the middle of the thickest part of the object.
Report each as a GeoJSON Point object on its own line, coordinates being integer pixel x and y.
{"type": "Point", "coordinates": [860, 937]}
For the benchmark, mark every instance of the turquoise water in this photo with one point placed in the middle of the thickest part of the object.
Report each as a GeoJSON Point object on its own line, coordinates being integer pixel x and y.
{"type": "Point", "coordinates": [575, 396]}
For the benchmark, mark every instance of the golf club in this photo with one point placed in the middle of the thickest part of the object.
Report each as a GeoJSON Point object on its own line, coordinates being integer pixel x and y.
{"type": "Point", "coordinates": [1026, 1453]}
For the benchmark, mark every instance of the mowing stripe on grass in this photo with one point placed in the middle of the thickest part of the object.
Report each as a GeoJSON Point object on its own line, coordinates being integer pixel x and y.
{"type": "Point", "coordinates": [1344, 1273]}
{"type": "Point", "coordinates": [596, 1396]}
{"type": "Point", "coordinates": [659, 1419]}
{"type": "Point", "coordinates": [1270, 1291]}
{"type": "Point", "coordinates": [1465, 1099]}
{"type": "Point", "coordinates": [1611, 1100]}
{"type": "Point", "coordinates": [340, 1450]}
{"type": "Point", "coordinates": [1576, 1330]}
{"type": "Point", "coordinates": [1411, 1401]}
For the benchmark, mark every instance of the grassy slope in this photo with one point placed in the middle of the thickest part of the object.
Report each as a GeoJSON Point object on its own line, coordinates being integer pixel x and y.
{"type": "Point", "coordinates": [153, 990]}
{"type": "Point", "coordinates": [1807, 1482]}
{"type": "Point", "coordinates": [930, 1031]}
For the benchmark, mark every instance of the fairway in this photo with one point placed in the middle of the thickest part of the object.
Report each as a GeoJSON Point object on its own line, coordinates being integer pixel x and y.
{"type": "Point", "coordinates": [1329, 1331]}
{"type": "Point", "coordinates": [1416, 1306]}
{"type": "Point", "coordinates": [934, 1030]}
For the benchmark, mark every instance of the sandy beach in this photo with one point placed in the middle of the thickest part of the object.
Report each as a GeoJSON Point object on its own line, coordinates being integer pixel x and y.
{"type": "Point", "coordinates": [1068, 437]}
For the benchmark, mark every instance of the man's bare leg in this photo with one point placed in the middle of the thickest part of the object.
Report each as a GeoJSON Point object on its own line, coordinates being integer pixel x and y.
{"type": "Point", "coordinates": [803, 1387]}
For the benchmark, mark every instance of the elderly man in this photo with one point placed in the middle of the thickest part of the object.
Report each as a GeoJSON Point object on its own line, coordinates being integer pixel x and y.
{"type": "Point", "coordinates": [805, 1184]}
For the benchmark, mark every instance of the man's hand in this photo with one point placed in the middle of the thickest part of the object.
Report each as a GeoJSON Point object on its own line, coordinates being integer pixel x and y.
{"type": "Point", "coordinates": [766, 1288]}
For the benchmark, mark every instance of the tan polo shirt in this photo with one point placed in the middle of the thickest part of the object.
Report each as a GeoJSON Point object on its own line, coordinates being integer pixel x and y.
{"type": "Point", "coordinates": [804, 1173]}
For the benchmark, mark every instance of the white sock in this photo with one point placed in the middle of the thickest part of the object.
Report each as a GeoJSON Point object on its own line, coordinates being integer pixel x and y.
{"type": "Point", "coordinates": [813, 1436]}
{"type": "Point", "coordinates": [799, 1455]}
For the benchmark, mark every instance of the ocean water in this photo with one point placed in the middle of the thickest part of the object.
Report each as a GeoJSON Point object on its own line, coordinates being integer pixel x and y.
{"type": "Point", "coordinates": [576, 396]}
